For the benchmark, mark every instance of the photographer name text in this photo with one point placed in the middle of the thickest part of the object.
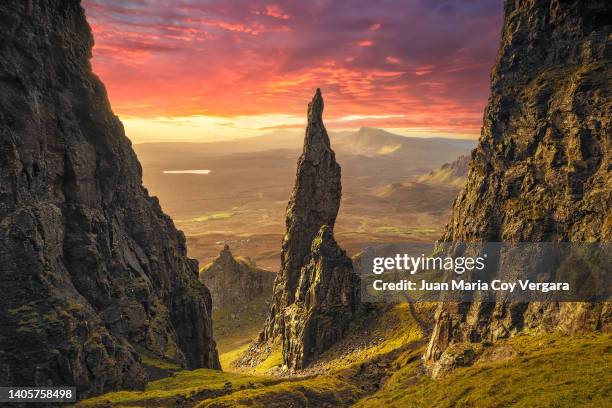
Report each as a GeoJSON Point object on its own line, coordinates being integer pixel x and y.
{"type": "Point", "coordinates": [463, 285]}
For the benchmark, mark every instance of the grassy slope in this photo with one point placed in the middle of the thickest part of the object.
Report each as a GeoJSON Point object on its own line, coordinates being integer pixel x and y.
{"type": "Point", "coordinates": [320, 391]}
{"type": "Point", "coordinates": [378, 334]}
{"type": "Point", "coordinates": [235, 330]}
{"type": "Point", "coordinates": [195, 384]}
{"type": "Point", "coordinates": [395, 326]}
{"type": "Point", "coordinates": [339, 378]}
{"type": "Point", "coordinates": [228, 357]}
{"type": "Point", "coordinates": [548, 371]}
{"type": "Point", "coordinates": [545, 370]}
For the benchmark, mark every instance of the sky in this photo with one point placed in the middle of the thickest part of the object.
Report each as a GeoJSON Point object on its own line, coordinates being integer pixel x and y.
{"type": "Point", "coordinates": [188, 70]}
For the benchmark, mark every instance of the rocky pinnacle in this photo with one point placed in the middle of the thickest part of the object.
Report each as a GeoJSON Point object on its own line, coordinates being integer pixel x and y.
{"type": "Point", "coordinates": [235, 282]}
{"type": "Point", "coordinates": [311, 262]}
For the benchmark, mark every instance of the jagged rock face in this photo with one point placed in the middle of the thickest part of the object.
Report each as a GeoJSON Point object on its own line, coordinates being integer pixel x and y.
{"type": "Point", "coordinates": [541, 171]}
{"type": "Point", "coordinates": [459, 167]}
{"type": "Point", "coordinates": [233, 282]}
{"type": "Point", "coordinates": [312, 285]}
{"type": "Point", "coordinates": [90, 265]}
{"type": "Point", "coordinates": [325, 301]}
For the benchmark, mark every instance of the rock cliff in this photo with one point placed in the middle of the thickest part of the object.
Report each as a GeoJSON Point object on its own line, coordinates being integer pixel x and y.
{"type": "Point", "coordinates": [233, 282]}
{"type": "Point", "coordinates": [316, 291]}
{"type": "Point", "coordinates": [90, 265]}
{"type": "Point", "coordinates": [542, 168]}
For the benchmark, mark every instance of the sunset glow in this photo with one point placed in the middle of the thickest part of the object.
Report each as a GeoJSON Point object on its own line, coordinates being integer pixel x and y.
{"type": "Point", "coordinates": [234, 68]}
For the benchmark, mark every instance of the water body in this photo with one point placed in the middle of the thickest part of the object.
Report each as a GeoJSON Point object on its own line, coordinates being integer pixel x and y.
{"type": "Point", "coordinates": [186, 171]}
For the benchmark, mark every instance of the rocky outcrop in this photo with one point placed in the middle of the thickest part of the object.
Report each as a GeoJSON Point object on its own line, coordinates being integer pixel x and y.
{"type": "Point", "coordinates": [90, 265]}
{"type": "Point", "coordinates": [233, 282]}
{"type": "Point", "coordinates": [316, 291]}
{"type": "Point", "coordinates": [542, 169]}
{"type": "Point", "coordinates": [452, 174]}
{"type": "Point", "coordinates": [325, 301]}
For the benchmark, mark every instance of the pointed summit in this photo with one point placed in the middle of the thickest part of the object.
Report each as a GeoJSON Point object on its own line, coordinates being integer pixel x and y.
{"type": "Point", "coordinates": [314, 202]}
{"type": "Point", "coordinates": [315, 108]}
{"type": "Point", "coordinates": [226, 254]}
{"type": "Point", "coordinates": [316, 142]}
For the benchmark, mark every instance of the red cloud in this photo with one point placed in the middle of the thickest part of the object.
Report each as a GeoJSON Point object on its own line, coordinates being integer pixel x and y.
{"type": "Point", "coordinates": [428, 68]}
{"type": "Point", "coordinates": [276, 12]}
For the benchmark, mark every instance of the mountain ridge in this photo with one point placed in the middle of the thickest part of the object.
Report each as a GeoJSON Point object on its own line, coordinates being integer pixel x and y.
{"type": "Point", "coordinates": [453, 174]}
{"type": "Point", "coordinates": [293, 140]}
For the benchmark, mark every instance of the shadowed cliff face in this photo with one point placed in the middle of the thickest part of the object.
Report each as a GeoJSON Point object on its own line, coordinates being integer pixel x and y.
{"type": "Point", "coordinates": [541, 171]}
{"type": "Point", "coordinates": [316, 291]}
{"type": "Point", "coordinates": [90, 265]}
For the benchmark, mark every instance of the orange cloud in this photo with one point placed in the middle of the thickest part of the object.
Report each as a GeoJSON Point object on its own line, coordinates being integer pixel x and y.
{"type": "Point", "coordinates": [365, 43]}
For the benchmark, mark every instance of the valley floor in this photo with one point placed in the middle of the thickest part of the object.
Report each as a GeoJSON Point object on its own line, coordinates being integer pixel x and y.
{"type": "Point", "coordinates": [382, 366]}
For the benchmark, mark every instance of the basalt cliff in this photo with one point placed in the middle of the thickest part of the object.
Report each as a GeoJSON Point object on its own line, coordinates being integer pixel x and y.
{"type": "Point", "coordinates": [91, 268]}
{"type": "Point", "coordinates": [316, 292]}
{"type": "Point", "coordinates": [542, 169]}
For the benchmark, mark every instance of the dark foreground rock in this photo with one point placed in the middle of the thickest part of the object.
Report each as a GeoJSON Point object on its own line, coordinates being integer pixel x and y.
{"type": "Point", "coordinates": [316, 292]}
{"type": "Point", "coordinates": [90, 266]}
{"type": "Point", "coordinates": [542, 169]}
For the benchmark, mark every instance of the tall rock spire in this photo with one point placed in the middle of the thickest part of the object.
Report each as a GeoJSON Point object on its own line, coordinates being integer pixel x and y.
{"type": "Point", "coordinates": [316, 277]}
